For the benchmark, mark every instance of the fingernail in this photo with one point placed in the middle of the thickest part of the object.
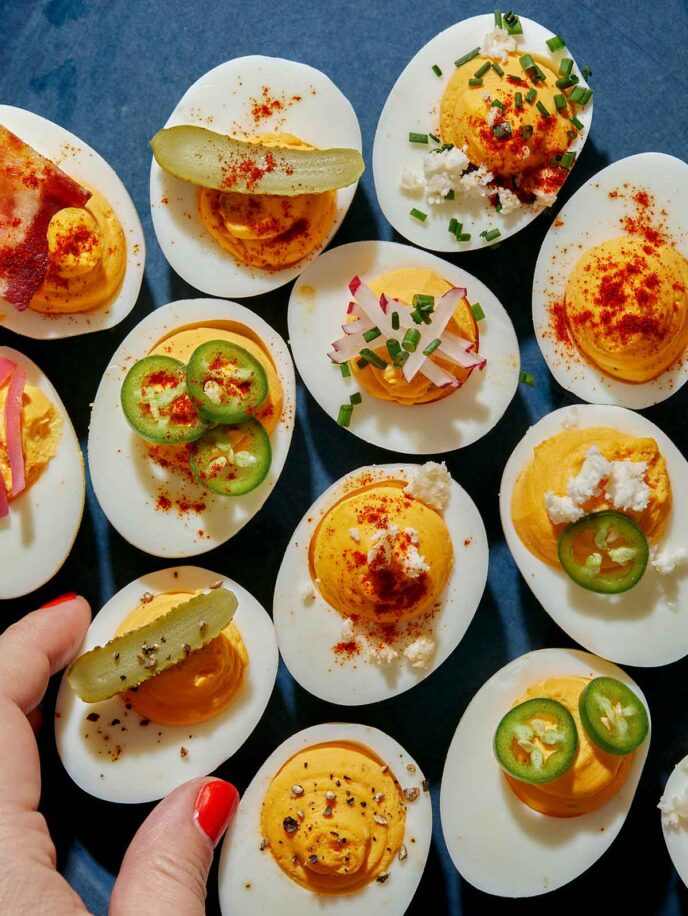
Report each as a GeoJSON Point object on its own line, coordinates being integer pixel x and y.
{"type": "Point", "coordinates": [66, 597]}
{"type": "Point", "coordinates": [215, 807]}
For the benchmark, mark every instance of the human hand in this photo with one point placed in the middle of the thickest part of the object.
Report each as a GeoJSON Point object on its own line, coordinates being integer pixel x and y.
{"type": "Point", "coordinates": [166, 866]}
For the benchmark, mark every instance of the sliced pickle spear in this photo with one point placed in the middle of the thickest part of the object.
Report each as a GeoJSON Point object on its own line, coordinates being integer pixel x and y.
{"type": "Point", "coordinates": [214, 160]}
{"type": "Point", "coordinates": [129, 660]}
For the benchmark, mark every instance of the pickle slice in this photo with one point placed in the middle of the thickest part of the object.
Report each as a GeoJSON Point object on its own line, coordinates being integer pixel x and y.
{"type": "Point", "coordinates": [129, 660]}
{"type": "Point", "coordinates": [214, 160]}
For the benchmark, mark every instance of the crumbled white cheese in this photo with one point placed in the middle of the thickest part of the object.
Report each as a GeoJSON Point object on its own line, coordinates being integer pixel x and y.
{"type": "Point", "coordinates": [544, 198]}
{"type": "Point", "coordinates": [347, 633]}
{"type": "Point", "coordinates": [667, 559]}
{"type": "Point", "coordinates": [382, 548]}
{"type": "Point", "coordinates": [487, 96]}
{"type": "Point", "coordinates": [443, 171]}
{"type": "Point", "coordinates": [414, 563]}
{"type": "Point", "coordinates": [626, 488]}
{"type": "Point", "coordinates": [411, 183]}
{"type": "Point", "coordinates": [674, 809]}
{"type": "Point", "coordinates": [587, 482]}
{"type": "Point", "coordinates": [382, 654]}
{"type": "Point", "coordinates": [498, 43]}
{"type": "Point", "coordinates": [492, 115]}
{"type": "Point", "coordinates": [355, 535]}
{"type": "Point", "coordinates": [562, 509]}
{"type": "Point", "coordinates": [525, 151]}
{"type": "Point", "coordinates": [420, 652]}
{"type": "Point", "coordinates": [477, 183]}
{"type": "Point", "coordinates": [508, 201]}
{"type": "Point", "coordinates": [431, 484]}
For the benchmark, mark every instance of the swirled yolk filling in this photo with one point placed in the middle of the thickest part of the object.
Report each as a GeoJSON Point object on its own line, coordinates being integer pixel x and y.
{"type": "Point", "coordinates": [199, 687]}
{"type": "Point", "coordinates": [334, 818]}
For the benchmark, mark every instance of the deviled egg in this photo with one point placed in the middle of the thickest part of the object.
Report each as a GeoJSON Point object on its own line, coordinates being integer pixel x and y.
{"type": "Point", "coordinates": [479, 132]}
{"type": "Point", "coordinates": [186, 702]}
{"type": "Point", "coordinates": [77, 244]}
{"type": "Point", "coordinates": [338, 817]}
{"type": "Point", "coordinates": [594, 502]}
{"type": "Point", "coordinates": [380, 581]}
{"type": "Point", "coordinates": [253, 174]}
{"type": "Point", "coordinates": [406, 350]}
{"type": "Point", "coordinates": [610, 291]}
{"type": "Point", "coordinates": [541, 771]}
{"type": "Point", "coordinates": [191, 426]}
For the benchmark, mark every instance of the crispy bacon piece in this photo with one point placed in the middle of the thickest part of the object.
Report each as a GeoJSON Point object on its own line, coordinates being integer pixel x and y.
{"type": "Point", "coordinates": [32, 190]}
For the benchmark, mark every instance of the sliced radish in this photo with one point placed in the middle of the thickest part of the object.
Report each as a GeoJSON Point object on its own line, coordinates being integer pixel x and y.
{"type": "Point", "coordinates": [355, 327]}
{"type": "Point", "coordinates": [13, 433]}
{"type": "Point", "coordinates": [437, 375]}
{"type": "Point", "coordinates": [370, 304]}
{"type": "Point", "coordinates": [442, 313]}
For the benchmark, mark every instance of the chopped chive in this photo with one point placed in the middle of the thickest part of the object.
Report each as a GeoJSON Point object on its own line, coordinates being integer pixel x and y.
{"type": "Point", "coordinates": [475, 81]}
{"type": "Point", "coordinates": [497, 104]}
{"type": "Point", "coordinates": [420, 300]}
{"type": "Point", "coordinates": [411, 339]}
{"type": "Point", "coordinates": [567, 160]}
{"type": "Point", "coordinates": [539, 75]}
{"type": "Point", "coordinates": [416, 317]}
{"type": "Point", "coordinates": [531, 95]}
{"type": "Point", "coordinates": [393, 347]}
{"type": "Point", "coordinates": [527, 379]}
{"type": "Point", "coordinates": [477, 310]}
{"type": "Point", "coordinates": [436, 70]}
{"type": "Point", "coordinates": [371, 334]}
{"type": "Point", "coordinates": [588, 96]}
{"type": "Point", "coordinates": [502, 131]}
{"type": "Point", "coordinates": [463, 237]}
{"type": "Point", "coordinates": [373, 358]}
{"type": "Point", "coordinates": [434, 138]}
{"type": "Point", "coordinates": [577, 124]}
{"type": "Point", "coordinates": [467, 57]}
{"type": "Point", "coordinates": [518, 100]}
{"type": "Point", "coordinates": [566, 66]}
{"type": "Point", "coordinates": [498, 19]}
{"type": "Point", "coordinates": [450, 194]}
{"type": "Point", "coordinates": [560, 101]}
{"type": "Point", "coordinates": [490, 234]}
{"type": "Point", "coordinates": [417, 138]}
{"type": "Point", "coordinates": [498, 206]}
{"type": "Point", "coordinates": [482, 70]}
{"type": "Point", "coordinates": [432, 346]}
{"type": "Point", "coordinates": [587, 72]}
{"type": "Point", "coordinates": [527, 62]}
{"type": "Point", "coordinates": [556, 43]}
{"type": "Point", "coordinates": [565, 82]}
{"type": "Point", "coordinates": [578, 94]}
{"type": "Point", "coordinates": [418, 214]}
{"type": "Point", "coordinates": [516, 79]}
{"type": "Point", "coordinates": [361, 363]}
{"type": "Point", "coordinates": [512, 23]}
{"type": "Point", "coordinates": [453, 223]}
{"type": "Point", "coordinates": [344, 369]}
{"type": "Point", "coordinates": [542, 109]}
{"type": "Point", "coordinates": [395, 321]}
{"type": "Point", "coordinates": [355, 398]}
{"type": "Point", "coordinates": [344, 415]}
{"type": "Point", "coordinates": [527, 131]}
{"type": "Point", "coordinates": [497, 69]}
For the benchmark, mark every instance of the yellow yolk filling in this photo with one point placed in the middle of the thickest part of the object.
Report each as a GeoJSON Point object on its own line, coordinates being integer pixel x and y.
{"type": "Point", "coordinates": [380, 587]}
{"type": "Point", "coordinates": [331, 845]}
{"type": "Point", "coordinates": [464, 118]}
{"type": "Point", "coordinates": [87, 259]}
{"type": "Point", "coordinates": [627, 307]}
{"type": "Point", "coordinates": [41, 428]}
{"type": "Point", "coordinates": [196, 689]}
{"type": "Point", "coordinates": [389, 384]}
{"type": "Point", "coordinates": [268, 231]}
{"type": "Point", "coordinates": [561, 457]}
{"type": "Point", "coordinates": [593, 777]}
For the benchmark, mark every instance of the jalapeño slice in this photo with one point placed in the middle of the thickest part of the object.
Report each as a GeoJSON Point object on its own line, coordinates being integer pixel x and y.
{"type": "Point", "coordinates": [232, 460]}
{"type": "Point", "coordinates": [604, 552]}
{"type": "Point", "coordinates": [536, 741]}
{"type": "Point", "coordinates": [613, 715]}
{"type": "Point", "coordinates": [225, 382]}
{"type": "Point", "coordinates": [156, 403]}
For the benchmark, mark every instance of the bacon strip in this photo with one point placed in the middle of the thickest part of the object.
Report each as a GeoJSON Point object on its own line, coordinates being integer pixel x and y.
{"type": "Point", "coordinates": [32, 191]}
{"type": "Point", "coordinates": [13, 432]}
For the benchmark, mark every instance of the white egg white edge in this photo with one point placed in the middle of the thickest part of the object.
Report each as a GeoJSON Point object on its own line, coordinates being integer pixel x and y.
{"type": "Point", "coordinates": [308, 627]}
{"type": "Point", "coordinates": [325, 119]}
{"type": "Point", "coordinates": [82, 163]}
{"type": "Point", "coordinates": [242, 863]}
{"type": "Point", "coordinates": [151, 769]}
{"type": "Point", "coordinates": [644, 626]}
{"type": "Point", "coordinates": [413, 105]}
{"type": "Point", "coordinates": [497, 843]}
{"type": "Point", "coordinates": [676, 837]}
{"type": "Point", "coordinates": [589, 218]}
{"type": "Point", "coordinates": [37, 535]}
{"type": "Point", "coordinates": [315, 322]}
{"type": "Point", "coordinates": [121, 474]}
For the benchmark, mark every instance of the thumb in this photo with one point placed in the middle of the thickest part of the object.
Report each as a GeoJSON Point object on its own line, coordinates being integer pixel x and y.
{"type": "Point", "coordinates": [166, 866]}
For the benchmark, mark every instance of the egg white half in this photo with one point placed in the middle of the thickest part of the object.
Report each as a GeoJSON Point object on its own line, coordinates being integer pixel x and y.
{"type": "Point", "coordinates": [413, 105]}
{"type": "Point", "coordinates": [589, 218]}
{"type": "Point", "coordinates": [37, 535]}
{"type": "Point", "coordinates": [498, 843]}
{"type": "Point", "coordinates": [676, 837]}
{"type": "Point", "coordinates": [150, 764]}
{"type": "Point", "coordinates": [251, 883]}
{"type": "Point", "coordinates": [220, 100]}
{"type": "Point", "coordinates": [126, 482]}
{"type": "Point", "coordinates": [308, 628]}
{"type": "Point", "coordinates": [83, 164]}
{"type": "Point", "coordinates": [317, 311]}
{"type": "Point", "coordinates": [644, 626]}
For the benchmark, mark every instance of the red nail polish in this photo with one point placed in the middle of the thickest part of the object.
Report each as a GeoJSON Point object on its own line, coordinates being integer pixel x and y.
{"type": "Point", "coordinates": [215, 807]}
{"type": "Point", "coordinates": [66, 597]}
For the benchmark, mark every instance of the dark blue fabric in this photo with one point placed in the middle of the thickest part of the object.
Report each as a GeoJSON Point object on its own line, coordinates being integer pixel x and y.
{"type": "Point", "coordinates": [111, 72]}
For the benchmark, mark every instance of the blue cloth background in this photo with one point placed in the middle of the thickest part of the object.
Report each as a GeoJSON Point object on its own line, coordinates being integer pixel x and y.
{"type": "Point", "coordinates": [111, 72]}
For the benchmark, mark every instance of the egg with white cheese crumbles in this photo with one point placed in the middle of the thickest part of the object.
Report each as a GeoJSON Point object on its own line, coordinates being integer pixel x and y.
{"type": "Point", "coordinates": [146, 489]}
{"type": "Point", "coordinates": [230, 244]}
{"type": "Point", "coordinates": [380, 582]}
{"type": "Point", "coordinates": [96, 253]}
{"type": "Point", "coordinates": [407, 351]}
{"type": "Point", "coordinates": [479, 132]}
{"type": "Point", "coordinates": [500, 844]}
{"type": "Point", "coordinates": [338, 817]}
{"type": "Point", "coordinates": [674, 807]}
{"type": "Point", "coordinates": [584, 460]}
{"type": "Point", "coordinates": [139, 745]}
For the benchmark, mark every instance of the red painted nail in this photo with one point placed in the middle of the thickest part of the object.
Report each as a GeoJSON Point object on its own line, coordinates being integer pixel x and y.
{"type": "Point", "coordinates": [215, 807]}
{"type": "Point", "coordinates": [66, 597]}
